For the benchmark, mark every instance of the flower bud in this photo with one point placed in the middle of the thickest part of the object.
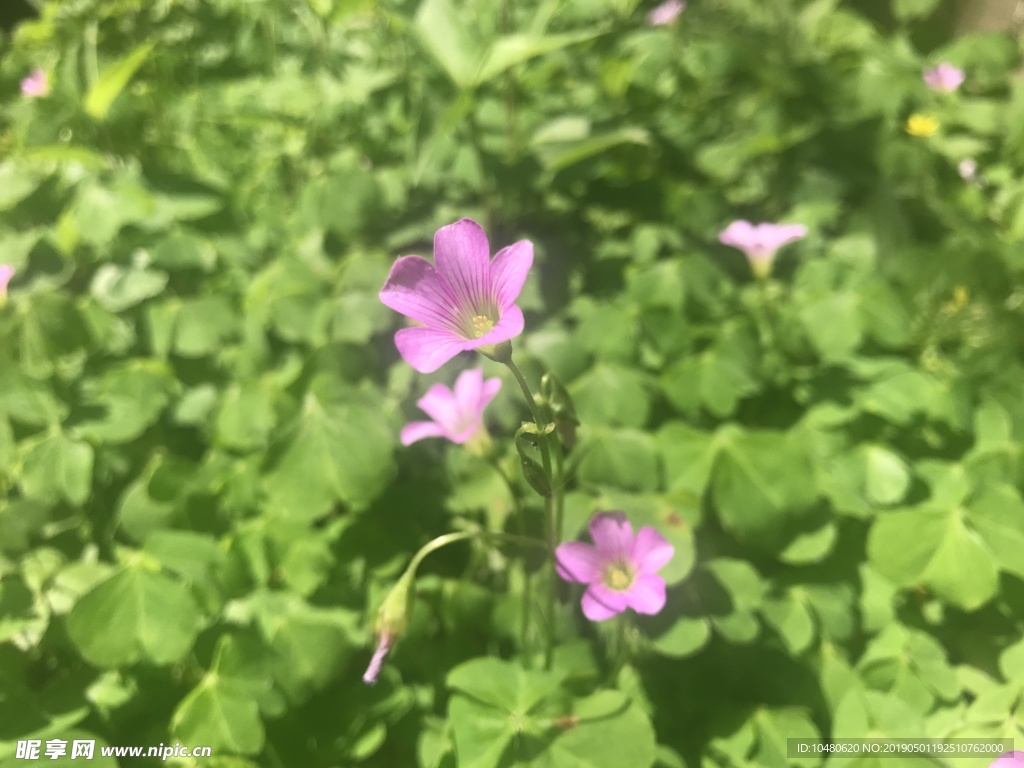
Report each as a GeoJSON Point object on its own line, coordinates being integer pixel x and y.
{"type": "Point", "coordinates": [392, 619]}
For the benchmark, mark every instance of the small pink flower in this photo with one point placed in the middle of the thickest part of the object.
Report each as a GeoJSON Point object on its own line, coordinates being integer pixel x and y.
{"type": "Point", "coordinates": [6, 273]}
{"type": "Point", "coordinates": [760, 241]}
{"type": "Point", "coordinates": [619, 569]}
{"type": "Point", "coordinates": [464, 299]}
{"type": "Point", "coordinates": [666, 13]}
{"type": "Point", "coordinates": [384, 644]}
{"type": "Point", "coordinates": [944, 78]}
{"type": "Point", "coordinates": [1013, 759]}
{"type": "Point", "coordinates": [36, 84]}
{"type": "Point", "coordinates": [457, 415]}
{"type": "Point", "coordinates": [968, 169]}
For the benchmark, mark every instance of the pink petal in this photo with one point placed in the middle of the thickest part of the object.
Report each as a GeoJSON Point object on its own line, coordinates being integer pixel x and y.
{"type": "Point", "coordinates": [440, 404]}
{"type": "Point", "coordinates": [508, 327]}
{"type": "Point", "coordinates": [6, 273]}
{"type": "Point", "coordinates": [739, 234]}
{"type": "Point", "coordinates": [463, 259]}
{"type": "Point", "coordinates": [467, 390]}
{"type": "Point", "coordinates": [1013, 759]}
{"type": "Point", "coordinates": [600, 603]}
{"type": "Point", "coordinates": [427, 349]}
{"type": "Point", "coordinates": [650, 552]}
{"type": "Point", "coordinates": [417, 430]}
{"type": "Point", "coordinates": [578, 562]}
{"type": "Point", "coordinates": [774, 236]}
{"type": "Point", "coordinates": [612, 535]}
{"type": "Point", "coordinates": [647, 594]}
{"type": "Point", "coordinates": [373, 670]}
{"type": "Point", "coordinates": [414, 288]}
{"type": "Point", "coordinates": [490, 389]}
{"type": "Point", "coordinates": [509, 269]}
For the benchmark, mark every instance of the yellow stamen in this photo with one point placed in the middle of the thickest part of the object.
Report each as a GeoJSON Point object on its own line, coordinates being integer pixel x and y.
{"type": "Point", "coordinates": [922, 125]}
{"type": "Point", "coordinates": [482, 325]}
{"type": "Point", "coordinates": [618, 577]}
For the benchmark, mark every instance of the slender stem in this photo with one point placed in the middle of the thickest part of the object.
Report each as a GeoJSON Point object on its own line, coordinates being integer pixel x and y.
{"type": "Point", "coordinates": [524, 629]}
{"type": "Point", "coordinates": [451, 538]}
{"type": "Point", "coordinates": [549, 515]}
{"type": "Point", "coordinates": [559, 488]}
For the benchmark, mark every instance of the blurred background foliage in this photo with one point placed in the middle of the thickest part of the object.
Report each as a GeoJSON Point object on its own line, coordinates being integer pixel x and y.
{"type": "Point", "coordinates": [203, 494]}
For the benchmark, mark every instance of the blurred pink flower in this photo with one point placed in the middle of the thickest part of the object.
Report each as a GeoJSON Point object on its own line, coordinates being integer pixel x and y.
{"type": "Point", "coordinates": [666, 13]}
{"type": "Point", "coordinates": [457, 415]}
{"type": "Point", "coordinates": [1013, 759]}
{"type": "Point", "coordinates": [944, 78]}
{"type": "Point", "coordinates": [760, 241]}
{"type": "Point", "coordinates": [36, 84]}
{"type": "Point", "coordinates": [6, 273]}
{"type": "Point", "coordinates": [968, 169]}
{"type": "Point", "coordinates": [619, 569]}
{"type": "Point", "coordinates": [465, 300]}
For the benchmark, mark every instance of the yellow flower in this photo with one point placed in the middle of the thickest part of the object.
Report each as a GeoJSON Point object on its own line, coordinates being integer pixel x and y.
{"type": "Point", "coordinates": [922, 125]}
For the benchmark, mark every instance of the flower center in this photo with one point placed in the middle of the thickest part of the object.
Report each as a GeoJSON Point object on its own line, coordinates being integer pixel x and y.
{"type": "Point", "coordinates": [482, 325]}
{"type": "Point", "coordinates": [618, 576]}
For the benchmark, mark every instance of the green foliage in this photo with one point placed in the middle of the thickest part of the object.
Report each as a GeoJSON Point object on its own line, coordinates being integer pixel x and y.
{"type": "Point", "coordinates": [203, 500]}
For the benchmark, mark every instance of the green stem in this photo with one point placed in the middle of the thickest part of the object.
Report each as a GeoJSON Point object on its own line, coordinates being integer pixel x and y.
{"type": "Point", "coordinates": [524, 628]}
{"type": "Point", "coordinates": [451, 538]}
{"type": "Point", "coordinates": [549, 515]}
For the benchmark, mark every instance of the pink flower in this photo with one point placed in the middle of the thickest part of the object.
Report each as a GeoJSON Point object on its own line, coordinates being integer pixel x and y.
{"type": "Point", "coordinates": [944, 78]}
{"type": "Point", "coordinates": [464, 299]}
{"type": "Point", "coordinates": [666, 13]}
{"type": "Point", "coordinates": [36, 84]}
{"type": "Point", "coordinates": [457, 415]}
{"type": "Point", "coordinates": [1013, 759]}
{"type": "Point", "coordinates": [619, 569]}
{"type": "Point", "coordinates": [760, 242]}
{"type": "Point", "coordinates": [968, 169]}
{"type": "Point", "coordinates": [384, 644]}
{"type": "Point", "coordinates": [6, 273]}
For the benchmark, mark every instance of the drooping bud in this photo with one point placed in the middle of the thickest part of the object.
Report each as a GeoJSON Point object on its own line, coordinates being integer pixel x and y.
{"type": "Point", "coordinates": [392, 619]}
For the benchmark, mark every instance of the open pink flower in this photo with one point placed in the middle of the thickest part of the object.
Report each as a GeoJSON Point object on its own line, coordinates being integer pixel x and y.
{"type": "Point", "coordinates": [464, 299]}
{"type": "Point", "coordinates": [457, 415]}
{"type": "Point", "coordinates": [760, 241]}
{"type": "Point", "coordinates": [36, 84]}
{"type": "Point", "coordinates": [944, 78]}
{"type": "Point", "coordinates": [6, 273]}
{"type": "Point", "coordinates": [619, 569]}
{"type": "Point", "coordinates": [666, 13]}
{"type": "Point", "coordinates": [1013, 759]}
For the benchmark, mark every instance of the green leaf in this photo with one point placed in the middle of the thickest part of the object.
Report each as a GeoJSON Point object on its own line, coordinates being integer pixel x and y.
{"type": "Point", "coordinates": [117, 288]}
{"type": "Point", "coordinates": [221, 714]}
{"type": "Point", "coordinates": [762, 485]}
{"type": "Point", "coordinates": [887, 476]}
{"type": "Point", "coordinates": [612, 395]}
{"type": "Point", "coordinates": [608, 730]}
{"type": "Point", "coordinates": [336, 450]}
{"type": "Point", "coordinates": [834, 325]}
{"type": "Point", "coordinates": [717, 378]}
{"type": "Point", "coordinates": [503, 684]}
{"type": "Point", "coordinates": [688, 456]}
{"type": "Point", "coordinates": [442, 33]}
{"type": "Point", "coordinates": [133, 395]}
{"type": "Point", "coordinates": [135, 615]}
{"type": "Point", "coordinates": [937, 547]}
{"type": "Point", "coordinates": [246, 417]}
{"type": "Point", "coordinates": [112, 81]}
{"type": "Point", "coordinates": [907, 10]}
{"type": "Point", "coordinates": [508, 51]}
{"type": "Point", "coordinates": [56, 467]}
{"type": "Point", "coordinates": [622, 458]}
